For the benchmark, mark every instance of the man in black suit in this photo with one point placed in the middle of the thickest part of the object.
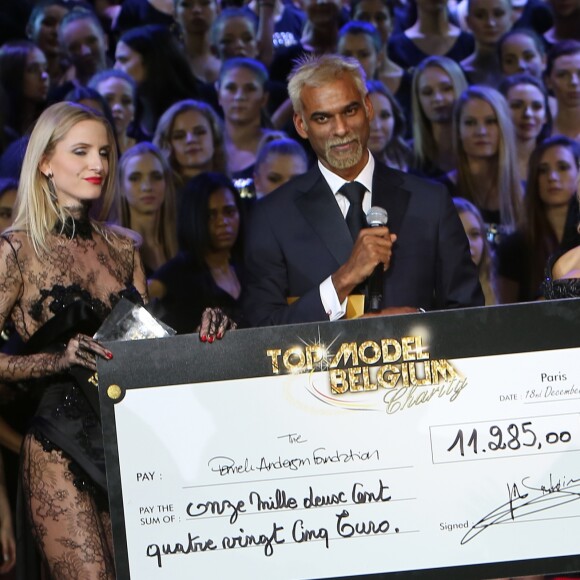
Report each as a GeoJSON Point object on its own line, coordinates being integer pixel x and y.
{"type": "Point", "coordinates": [299, 243]}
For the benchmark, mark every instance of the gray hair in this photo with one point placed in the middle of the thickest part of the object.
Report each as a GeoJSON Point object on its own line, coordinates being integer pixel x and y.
{"type": "Point", "coordinates": [315, 71]}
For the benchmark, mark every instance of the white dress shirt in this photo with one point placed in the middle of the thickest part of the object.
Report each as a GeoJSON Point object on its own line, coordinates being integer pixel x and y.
{"type": "Point", "coordinates": [334, 309]}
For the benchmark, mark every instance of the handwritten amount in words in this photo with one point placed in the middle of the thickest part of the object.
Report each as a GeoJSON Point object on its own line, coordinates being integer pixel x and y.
{"type": "Point", "coordinates": [297, 533]}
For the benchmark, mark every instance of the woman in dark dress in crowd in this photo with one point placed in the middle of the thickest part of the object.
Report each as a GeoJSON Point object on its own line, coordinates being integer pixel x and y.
{"type": "Point", "coordinates": [487, 172]}
{"type": "Point", "coordinates": [42, 29]}
{"type": "Point", "coordinates": [277, 162]}
{"type": "Point", "coordinates": [437, 84]}
{"type": "Point", "coordinates": [561, 77]}
{"type": "Point", "coordinates": [154, 58]}
{"type": "Point", "coordinates": [566, 20]}
{"type": "Point", "coordinates": [550, 220]}
{"type": "Point", "coordinates": [190, 135]}
{"type": "Point", "coordinates": [488, 20]}
{"type": "Point", "coordinates": [433, 34]}
{"type": "Point", "coordinates": [135, 13]}
{"type": "Point", "coordinates": [529, 106]}
{"type": "Point", "coordinates": [148, 203]}
{"type": "Point", "coordinates": [362, 41]}
{"type": "Point", "coordinates": [243, 98]}
{"type": "Point", "coordinates": [206, 272]}
{"type": "Point", "coordinates": [381, 14]}
{"type": "Point", "coordinates": [388, 127]}
{"type": "Point", "coordinates": [236, 33]}
{"type": "Point", "coordinates": [120, 92]}
{"type": "Point", "coordinates": [562, 279]}
{"type": "Point", "coordinates": [195, 18]}
{"type": "Point", "coordinates": [521, 50]}
{"type": "Point", "coordinates": [24, 77]}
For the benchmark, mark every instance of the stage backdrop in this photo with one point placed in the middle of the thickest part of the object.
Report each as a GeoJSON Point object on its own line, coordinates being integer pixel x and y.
{"type": "Point", "coordinates": [438, 445]}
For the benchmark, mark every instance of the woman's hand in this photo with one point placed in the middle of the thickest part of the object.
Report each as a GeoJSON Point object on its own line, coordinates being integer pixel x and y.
{"type": "Point", "coordinates": [214, 323]}
{"type": "Point", "coordinates": [82, 350]}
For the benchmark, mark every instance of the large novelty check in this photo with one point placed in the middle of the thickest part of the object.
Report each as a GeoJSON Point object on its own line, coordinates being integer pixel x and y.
{"type": "Point", "coordinates": [444, 445]}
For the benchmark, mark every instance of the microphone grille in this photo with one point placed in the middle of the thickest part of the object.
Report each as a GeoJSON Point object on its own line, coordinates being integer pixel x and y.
{"type": "Point", "coordinates": [377, 216]}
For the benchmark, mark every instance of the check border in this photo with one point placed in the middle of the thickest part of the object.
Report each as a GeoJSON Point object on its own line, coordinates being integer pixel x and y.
{"type": "Point", "coordinates": [465, 333]}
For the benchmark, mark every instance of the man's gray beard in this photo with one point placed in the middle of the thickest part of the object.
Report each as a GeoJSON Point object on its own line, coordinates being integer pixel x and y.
{"type": "Point", "coordinates": [344, 162]}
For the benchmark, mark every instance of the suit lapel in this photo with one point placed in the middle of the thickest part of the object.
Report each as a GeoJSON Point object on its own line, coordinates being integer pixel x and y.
{"type": "Point", "coordinates": [318, 205]}
{"type": "Point", "coordinates": [389, 194]}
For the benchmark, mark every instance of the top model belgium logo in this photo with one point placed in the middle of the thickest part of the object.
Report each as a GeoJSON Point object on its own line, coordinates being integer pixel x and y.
{"type": "Point", "coordinates": [403, 367]}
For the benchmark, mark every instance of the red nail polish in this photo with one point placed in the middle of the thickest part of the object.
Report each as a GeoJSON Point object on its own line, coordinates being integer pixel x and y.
{"type": "Point", "coordinates": [109, 355]}
{"type": "Point", "coordinates": [203, 338]}
{"type": "Point", "coordinates": [211, 339]}
{"type": "Point", "coordinates": [220, 335]}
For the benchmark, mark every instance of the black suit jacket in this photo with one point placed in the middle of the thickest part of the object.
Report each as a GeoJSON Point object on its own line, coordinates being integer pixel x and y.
{"type": "Point", "coordinates": [297, 237]}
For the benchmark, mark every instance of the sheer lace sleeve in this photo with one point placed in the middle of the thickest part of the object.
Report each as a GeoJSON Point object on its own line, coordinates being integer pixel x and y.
{"type": "Point", "coordinates": [95, 265]}
{"type": "Point", "coordinates": [15, 368]}
{"type": "Point", "coordinates": [11, 281]}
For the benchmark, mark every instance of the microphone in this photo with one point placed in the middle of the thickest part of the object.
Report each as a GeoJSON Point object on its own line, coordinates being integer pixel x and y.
{"type": "Point", "coordinates": [376, 217]}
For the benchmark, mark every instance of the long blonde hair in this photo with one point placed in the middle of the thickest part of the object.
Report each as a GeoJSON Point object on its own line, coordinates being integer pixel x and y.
{"type": "Point", "coordinates": [506, 179]}
{"type": "Point", "coordinates": [37, 209]}
{"type": "Point", "coordinates": [167, 233]}
{"type": "Point", "coordinates": [424, 146]}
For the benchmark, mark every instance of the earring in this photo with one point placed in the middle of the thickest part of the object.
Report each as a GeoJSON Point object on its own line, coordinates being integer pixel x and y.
{"type": "Point", "coordinates": [51, 187]}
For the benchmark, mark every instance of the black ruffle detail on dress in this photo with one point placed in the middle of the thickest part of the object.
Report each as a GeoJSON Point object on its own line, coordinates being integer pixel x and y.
{"type": "Point", "coordinates": [76, 224]}
{"type": "Point", "coordinates": [562, 288]}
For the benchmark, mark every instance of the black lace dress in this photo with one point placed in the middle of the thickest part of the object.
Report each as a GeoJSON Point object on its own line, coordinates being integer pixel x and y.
{"type": "Point", "coordinates": [50, 298]}
{"type": "Point", "coordinates": [562, 288]}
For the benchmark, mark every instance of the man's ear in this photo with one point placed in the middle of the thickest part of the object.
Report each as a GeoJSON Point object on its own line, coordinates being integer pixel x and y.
{"type": "Point", "coordinates": [300, 125]}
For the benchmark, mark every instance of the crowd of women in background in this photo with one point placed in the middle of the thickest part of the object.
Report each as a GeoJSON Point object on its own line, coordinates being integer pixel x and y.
{"type": "Point", "coordinates": [481, 95]}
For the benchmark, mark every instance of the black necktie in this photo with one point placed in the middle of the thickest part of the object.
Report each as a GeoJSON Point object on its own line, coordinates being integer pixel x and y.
{"type": "Point", "coordinates": [355, 217]}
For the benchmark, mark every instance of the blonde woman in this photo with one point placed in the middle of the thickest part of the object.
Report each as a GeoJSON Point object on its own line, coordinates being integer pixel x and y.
{"type": "Point", "coordinates": [61, 273]}
{"type": "Point", "coordinates": [148, 203]}
{"type": "Point", "coordinates": [437, 83]}
{"type": "Point", "coordinates": [190, 135]}
{"type": "Point", "coordinates": [487, 165]}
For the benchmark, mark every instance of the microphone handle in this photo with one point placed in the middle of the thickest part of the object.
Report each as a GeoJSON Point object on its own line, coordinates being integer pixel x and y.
{"type": "Point", "coordinates": [375, 284]}
{"type": "Point", "coordinates": [375, 288]}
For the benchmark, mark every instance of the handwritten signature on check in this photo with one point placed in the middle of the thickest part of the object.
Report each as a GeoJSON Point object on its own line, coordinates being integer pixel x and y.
{"type": "Point", "coordinates": [525, 500]}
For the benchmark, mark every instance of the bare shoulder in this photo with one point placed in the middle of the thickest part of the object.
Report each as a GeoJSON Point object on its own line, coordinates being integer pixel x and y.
{"type": "Point", "coordinates": [567, 265]}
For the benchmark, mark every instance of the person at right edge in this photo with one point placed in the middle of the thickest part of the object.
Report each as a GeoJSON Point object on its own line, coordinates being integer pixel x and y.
{"type": "Point", "coordinates": [301, 242]}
